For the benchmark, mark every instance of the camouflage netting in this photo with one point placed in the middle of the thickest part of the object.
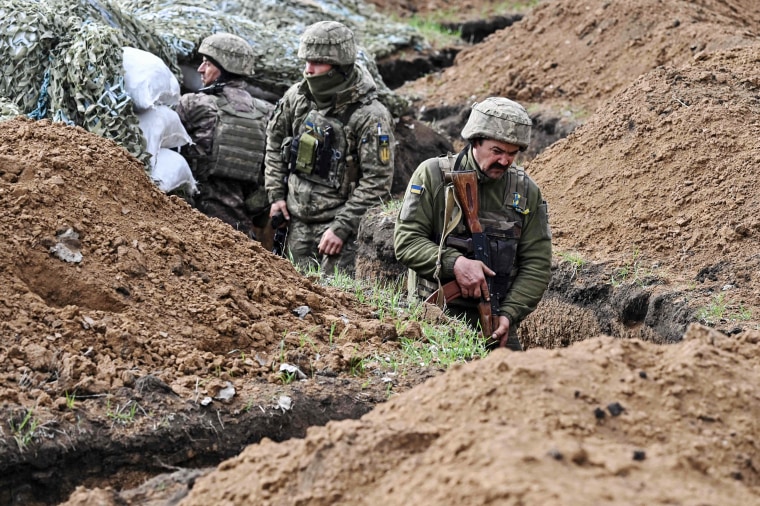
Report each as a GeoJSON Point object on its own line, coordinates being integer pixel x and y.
{"type": "Point", "coordinates": [8, 109]}
{"type": "Point", "coordinates": [274, 35]}
{"type": "Point", "coordinates": [62, 59]}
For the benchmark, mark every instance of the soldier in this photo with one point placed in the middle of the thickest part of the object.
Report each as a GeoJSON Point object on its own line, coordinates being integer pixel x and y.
{"type": "Point", "coordinates": [228, 128]}
{"type": "Point", "coordinates": [329, 150]}
{"type": "Point", "coordinates": [433, 243]}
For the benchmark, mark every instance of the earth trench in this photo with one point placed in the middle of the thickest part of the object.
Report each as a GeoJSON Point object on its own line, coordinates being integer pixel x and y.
{"type": "Point", "coordinates": [592, 298]}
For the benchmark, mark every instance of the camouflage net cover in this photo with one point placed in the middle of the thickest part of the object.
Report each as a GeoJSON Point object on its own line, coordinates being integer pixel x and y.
{"type": "Point", "coordinates": [62, 59]}
{"type": "Point", "coordinates": [274, 35]}
{"type": "Point", "coordinates": [8, 109]}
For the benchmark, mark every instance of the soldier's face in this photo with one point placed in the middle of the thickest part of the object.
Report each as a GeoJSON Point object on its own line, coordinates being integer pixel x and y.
{"type": "Point", "coordinates": [314, 68]}
{"type": "Point", "coordinates": [494, 157]}
{"type": "Point", "coordinates": [209, 72]}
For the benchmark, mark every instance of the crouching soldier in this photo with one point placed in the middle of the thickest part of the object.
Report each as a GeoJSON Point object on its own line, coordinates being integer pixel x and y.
{"type": "Point", "coordinates": [490, 240]}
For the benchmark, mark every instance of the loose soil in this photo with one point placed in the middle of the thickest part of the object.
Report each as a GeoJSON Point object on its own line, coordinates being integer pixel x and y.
{"type": "Point", "coordinates": [131, 352]}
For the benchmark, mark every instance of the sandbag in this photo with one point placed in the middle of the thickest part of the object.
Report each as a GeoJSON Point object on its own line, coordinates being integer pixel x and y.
{"type": "Point", "coordinates": [162, 128]}
{"type": "Point", "coordinates": [172, 172]}
{"type": "Point", "coordinates": [148, 80]}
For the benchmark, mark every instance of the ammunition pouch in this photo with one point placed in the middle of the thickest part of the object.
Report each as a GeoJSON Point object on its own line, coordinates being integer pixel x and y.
{"type": "Point", "coordinates": [312, 153]}
{"type": "Point", "coordinates": [503, 249]}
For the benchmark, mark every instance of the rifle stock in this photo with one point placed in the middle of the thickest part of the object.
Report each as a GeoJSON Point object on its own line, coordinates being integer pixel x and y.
{"type": "Point", "coordinates": [466, 190]}
{"type": "Point", "coordinates": [451, 291]}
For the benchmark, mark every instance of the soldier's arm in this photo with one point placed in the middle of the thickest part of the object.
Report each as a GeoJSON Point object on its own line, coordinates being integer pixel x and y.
{"type": "Point", "coordinates": [198, 113]}
{"type": "Point", "coordinates": [376, 172]}
{"type": "Point", "coordinates": [275, 166]}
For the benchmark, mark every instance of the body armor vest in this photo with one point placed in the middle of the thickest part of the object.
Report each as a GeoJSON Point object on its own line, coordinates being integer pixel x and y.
{"type": "Point", "coordinates": [239, 144]}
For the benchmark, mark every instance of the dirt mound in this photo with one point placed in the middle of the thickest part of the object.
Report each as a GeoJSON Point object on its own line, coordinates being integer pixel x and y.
{"type": "Point", "coordinates": [665, 173]}
{"type": "Point", "coordinates": [576, 53]}
{"type": "Point", "coordinates": [646, 424]}
{"type": "Point", "coordinates": [127, 315]}
{"type": "Point", "coordinates": [160, 288]}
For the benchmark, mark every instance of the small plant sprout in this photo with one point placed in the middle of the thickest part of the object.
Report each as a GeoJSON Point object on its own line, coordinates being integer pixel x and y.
{"type": "Point", "coordinates": [287, 377]}
{"type": "Point", "coordinates": [574, 259]}
{"type": "Point", "coordinates": [356, 366]}
{"type": "Point", "coordinates": [70, 399]}
{"type": "Point", "coordinates": [24, 432]}
{"type": "Point", "coordinates": [719, 309]}
{"type": "Point", "coordinates": [122, 414]}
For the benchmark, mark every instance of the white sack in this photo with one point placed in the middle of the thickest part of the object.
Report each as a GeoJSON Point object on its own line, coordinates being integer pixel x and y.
{"type": "Point", "coordinates": [148, 80]}
{"type": "Point", "coordinates": [172, 172]}
{"type": "Point", "coordinates": [162, 128]}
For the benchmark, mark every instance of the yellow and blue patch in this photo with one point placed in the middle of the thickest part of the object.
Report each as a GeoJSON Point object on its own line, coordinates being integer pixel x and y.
{"type": "Point", "coordinates": [416, 189]}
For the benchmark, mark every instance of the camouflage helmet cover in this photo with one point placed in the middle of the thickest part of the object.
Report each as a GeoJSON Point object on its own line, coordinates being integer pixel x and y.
{"type": "Point", "coordinates": [500, 119]}
{"type": "Point", "coordinates": [328, 42]}
{"type": "Point", "coordinates": [233, 53]}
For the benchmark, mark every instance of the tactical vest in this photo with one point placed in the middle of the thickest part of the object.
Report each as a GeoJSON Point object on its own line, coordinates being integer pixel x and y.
{"type": "Point", "coordinates": [238, 146]}
{"type": "Point", "coordinates": [324, 151]}
{"type": "Point", "coordinates": [503, 228]}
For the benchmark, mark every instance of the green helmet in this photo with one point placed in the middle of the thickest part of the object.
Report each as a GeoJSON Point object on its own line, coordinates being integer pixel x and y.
{"type": "Point", "coordinates": [328, 42]}
{"type": "Point", "coordinates": [500, 119]}
{"type": "Point", "coordinates": [233, 53]}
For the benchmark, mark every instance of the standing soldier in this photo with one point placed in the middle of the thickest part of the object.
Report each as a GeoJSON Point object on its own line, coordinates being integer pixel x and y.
{"type": "Point", "coordinates": [329, 150]}
{"type": "Point", "coordinates": [433, 241]}
{"type": "Point", "coordinates": [228, 128]}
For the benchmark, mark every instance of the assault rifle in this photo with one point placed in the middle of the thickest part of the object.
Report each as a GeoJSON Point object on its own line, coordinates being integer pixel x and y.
{"type": "Point", "coordinates": [280, 227]}
{"type": "Point", "coordinates": [466, 190]}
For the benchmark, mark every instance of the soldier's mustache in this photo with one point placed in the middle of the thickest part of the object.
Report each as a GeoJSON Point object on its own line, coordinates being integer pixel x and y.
{"type": "Point", "coordinates": [497, 165]}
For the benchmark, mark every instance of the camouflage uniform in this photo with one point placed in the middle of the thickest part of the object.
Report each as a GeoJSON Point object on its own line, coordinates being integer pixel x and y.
{"type": "Point", "coordinates": [513, 214]}
{"type": "Point", "coordinates": [329, 190]}
{"type": "Point", "coordinates": [228, 128]}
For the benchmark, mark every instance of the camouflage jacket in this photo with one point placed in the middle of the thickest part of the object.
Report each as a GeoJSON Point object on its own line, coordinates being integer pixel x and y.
{"type": "Point", "coordinates": [201, 114]}
{"type": "Point", "coordinates": [345, 198]}
{"type": "Point", "coordinates": [421, 219]}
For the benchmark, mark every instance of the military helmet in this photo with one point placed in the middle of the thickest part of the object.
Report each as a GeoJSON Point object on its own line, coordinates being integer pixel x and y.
{"type": "Point", "coordinates": [328, 42]}
{"type": "Point", "coordinates": [233, 53]}
{"type": "Point", "coordinates": [500, 119]}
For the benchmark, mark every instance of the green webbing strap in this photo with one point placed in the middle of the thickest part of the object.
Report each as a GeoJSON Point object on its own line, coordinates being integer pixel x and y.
{"type": "Point", "coordinates": [451, 218]}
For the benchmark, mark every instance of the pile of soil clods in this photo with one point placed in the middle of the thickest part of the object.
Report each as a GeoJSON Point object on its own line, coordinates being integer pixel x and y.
{"type": "Point", "coordinates": [605, 421]}
{"type": "Point", "coordinates": [105, 280]}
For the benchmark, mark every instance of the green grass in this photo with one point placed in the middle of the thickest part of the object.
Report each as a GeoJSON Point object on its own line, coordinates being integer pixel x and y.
{"type": "Point", "coordinates": [632, 272]}
{"type": "Point", "coordinates": [70, 400]}
{"type": "Point", "coordinates": [433, 32]}
{"type": "Point", "coordinates": [24, 432]}
{"type": "Point", "coordinates": [123, 415]}
{"type": "Point", "coordinates": [287, 377]}
{"type": "Point", "coordinates": [441, 345]}
{"type": "Point", "coordinates": [720, 309]}
{"type": "Point", "coordinates": [574, 259]}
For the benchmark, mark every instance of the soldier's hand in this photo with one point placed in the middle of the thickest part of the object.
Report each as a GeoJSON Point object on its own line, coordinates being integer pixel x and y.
{"type": "Point", "coordinates": [279, 206]}
{"type": "Point", "coordinates": [471, 277]}
{"type": "Point", "coordinates": [501, 333]}
{"type": "Point", "coordinates": [330, 244]}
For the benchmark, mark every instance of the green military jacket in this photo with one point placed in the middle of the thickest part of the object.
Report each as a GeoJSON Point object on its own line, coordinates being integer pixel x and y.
{"type": "Point", "coordinates": [363, 171]}
{"type": "Point", "coordinates": [420, 224]}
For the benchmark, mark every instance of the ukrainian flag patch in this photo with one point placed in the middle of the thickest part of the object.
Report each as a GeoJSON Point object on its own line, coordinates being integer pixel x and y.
{"type": "Point", "coordinates": [417, 189]}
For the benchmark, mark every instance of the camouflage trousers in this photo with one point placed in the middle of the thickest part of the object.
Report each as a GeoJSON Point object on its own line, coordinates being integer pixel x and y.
{"type": "Point", "coordinates": [224, 199]}
{"type": "Point", "coordinates": [303, 241]}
